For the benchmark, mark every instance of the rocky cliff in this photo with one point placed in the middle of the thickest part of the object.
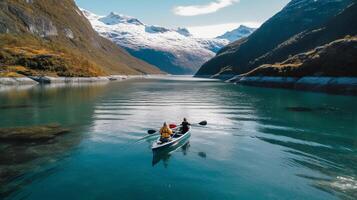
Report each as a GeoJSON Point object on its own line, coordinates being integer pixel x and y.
{"type": "Point", "coordinates": [52, 37]}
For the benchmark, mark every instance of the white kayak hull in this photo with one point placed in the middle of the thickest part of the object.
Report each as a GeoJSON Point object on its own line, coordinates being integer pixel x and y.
{"type": "Point", "coordinates": [174, 141]}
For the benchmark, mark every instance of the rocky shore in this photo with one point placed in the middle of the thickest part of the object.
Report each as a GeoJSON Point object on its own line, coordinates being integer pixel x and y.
{"type": "Point", "coordinates": [34, 80]}
{"type": "Point", "coordinates": [17, 81]}
{"type": "Point", "coordinates": [336, 85]}
{"type": "Point", "coordinates": [31, 134]}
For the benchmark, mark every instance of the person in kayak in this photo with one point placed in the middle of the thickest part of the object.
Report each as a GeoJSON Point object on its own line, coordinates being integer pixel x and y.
{"type": "Point", "coordinates": [165, 133]}
{"type": "Point", "coordinates": [185, 126]}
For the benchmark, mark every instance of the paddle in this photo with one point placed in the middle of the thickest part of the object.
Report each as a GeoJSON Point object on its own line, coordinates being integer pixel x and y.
{"type": "Point", "coordinates": [203, 123]}
{"type": "Point", "coordinates": [152, 131]}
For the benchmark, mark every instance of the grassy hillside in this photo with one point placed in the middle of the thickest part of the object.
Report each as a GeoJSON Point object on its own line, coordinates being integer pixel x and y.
{"type": "Point", "coordinates": [53, 37]}
{"type": "Point", "coordinates": [335, 59]}
{"type": "Point", "coordinates": [25, 55]}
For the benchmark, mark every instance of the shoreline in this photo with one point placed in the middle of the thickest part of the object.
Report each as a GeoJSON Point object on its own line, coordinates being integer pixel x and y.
{"type": "Point", "coordinates": [42, 80]}
{"type": "Point", "coordinates": [332, 85]}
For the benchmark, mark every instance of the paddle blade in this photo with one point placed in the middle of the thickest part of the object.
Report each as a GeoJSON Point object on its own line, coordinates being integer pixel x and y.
{"type": "Point", "coordinates": [203, 123]}
{"type": "Point", "coordinates": [172, 126]}
{"type": "Point", "coordinates": [151, 131]}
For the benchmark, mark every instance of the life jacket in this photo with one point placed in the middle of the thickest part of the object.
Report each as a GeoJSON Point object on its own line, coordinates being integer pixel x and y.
{"type": "Point", "coordinates": [165, 132]}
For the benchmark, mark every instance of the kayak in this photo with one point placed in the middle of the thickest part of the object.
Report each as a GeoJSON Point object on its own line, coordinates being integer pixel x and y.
{"type": "Point", "coordinates": [175, 140]}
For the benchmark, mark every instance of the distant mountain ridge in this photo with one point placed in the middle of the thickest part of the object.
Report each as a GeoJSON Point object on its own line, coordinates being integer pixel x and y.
{"type": "Point", "coordinates": [238, 33]}
{"type": "Point", "coordinates": [114, 18]}
{"type": "Point", "coordinates": [174, 51]}
{"type": "Point", "coordinates": [298, 16]}
{"type": "Point", "coordinates": [52, 37]}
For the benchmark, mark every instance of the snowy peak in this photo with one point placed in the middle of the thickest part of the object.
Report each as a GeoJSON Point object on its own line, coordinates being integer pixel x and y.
{"type": "Point", "coordinates": [245, 29]}
{"type": "Point", "coordinates": [236, 34]}
{"type": "Point", "coordinates": [156, 29]}
{"type": "Point", "coordinates": [173, 50]}
{"type": "Point", "coordinates": [184, 32]}
{"type": "Point", "coordinates": [114, 18]}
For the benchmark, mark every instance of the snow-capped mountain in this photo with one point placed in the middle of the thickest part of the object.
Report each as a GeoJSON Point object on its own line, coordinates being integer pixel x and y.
{"type": "Point", "coordinates": [236, 34]}
{"type": "Point", "coordinates": [114, 18]}
{"type": "Point", "coordinates": [175, 51]}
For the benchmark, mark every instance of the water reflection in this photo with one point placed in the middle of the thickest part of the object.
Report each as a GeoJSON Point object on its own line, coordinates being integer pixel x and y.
{"type": "Point", "coordinates": [202, 155]}
{"type": "Point", "coordinates": [260, 142]}
{"type": "Point", "coordinates": [185, 148]}
{"type": "Point", "coordinates": [164, 155]}
{"type": "Point", "coordinates": [318, 136]}
{"type": "Point", "coordinates": [21, 163]}
{"type": "Point", "coordinates": [308, 109]}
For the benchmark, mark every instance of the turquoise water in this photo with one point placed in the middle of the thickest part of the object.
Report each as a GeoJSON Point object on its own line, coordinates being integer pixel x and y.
{"type": "Point", "coordinates": [259, 143]}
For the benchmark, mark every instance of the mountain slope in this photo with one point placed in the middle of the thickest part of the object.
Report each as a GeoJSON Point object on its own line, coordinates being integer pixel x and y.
{"type": "Point", "coordinates": [296, 17]}
{"type": "Point", "coordinates": [172, 50]}
{"type": "Point", "coordinates": [238, 33]}
{"type": "Point", "coordinates": [53, 37]}
{"type": "Point", "coordinates": [336, 28]}
{"type": "Point", "coordinates": [335, 59]}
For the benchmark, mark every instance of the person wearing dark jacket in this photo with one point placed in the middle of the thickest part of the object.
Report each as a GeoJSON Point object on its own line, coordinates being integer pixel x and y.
{"type": "Point", "coordinates": [185, 126]}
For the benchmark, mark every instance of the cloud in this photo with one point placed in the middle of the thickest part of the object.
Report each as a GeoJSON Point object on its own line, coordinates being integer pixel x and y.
{"type": "Point", "coordinates": [212, 31]}
{"type": "Point", "coordinates": [211, 7]}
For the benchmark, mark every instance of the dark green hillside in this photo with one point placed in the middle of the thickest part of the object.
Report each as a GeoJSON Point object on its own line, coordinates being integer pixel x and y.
{"type": "Point", "coordinates": [338, 27]}
{"type": "Point", "coordinates": [296, 17]}
{"type": "Point", "coordinates": [335, 59]}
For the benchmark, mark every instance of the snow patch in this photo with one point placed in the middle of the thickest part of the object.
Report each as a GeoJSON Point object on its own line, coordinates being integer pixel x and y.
{"type": "Point", "coordinates": [236, 34]}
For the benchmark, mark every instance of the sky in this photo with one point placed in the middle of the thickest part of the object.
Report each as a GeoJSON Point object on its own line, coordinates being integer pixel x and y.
{"type": "Point", "coordinates": [203, 18]}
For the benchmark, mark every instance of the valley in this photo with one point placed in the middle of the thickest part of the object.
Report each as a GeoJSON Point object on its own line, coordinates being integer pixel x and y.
{"type": "Point", "coordinates": [179, 99]}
